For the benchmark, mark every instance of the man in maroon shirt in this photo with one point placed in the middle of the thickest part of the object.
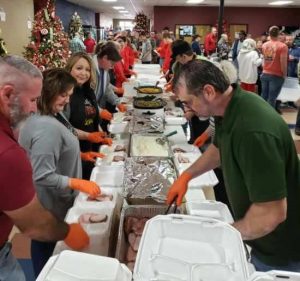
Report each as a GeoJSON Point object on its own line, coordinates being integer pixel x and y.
{"type": "Point", "coordinates": [210, 42]}
{"type": "Point", "coordinates": [20, 87]}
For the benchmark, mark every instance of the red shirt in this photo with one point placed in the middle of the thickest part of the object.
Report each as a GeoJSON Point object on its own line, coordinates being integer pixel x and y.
{"type": "Point", "coordinates": [16, 186]}
{"type": "Point", "coordinates": [210, 43]}
{"type": "Point", "coordinates": [168, 54]}
{"type": "Point", "coordinates": [119, 73]}
{"type": "Point", "coordinates": [273, 51]}
{"type": "Point", "coordinates": [90, 44]}
{"type": "Point", "coordinates": [125, 54]}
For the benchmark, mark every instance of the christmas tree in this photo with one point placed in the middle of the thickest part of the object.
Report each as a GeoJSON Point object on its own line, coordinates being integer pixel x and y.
{"type": "Point", "coordinates": [49, 45]}
{"type": "Point", "coordinates": [141, 23]}
{"type": "Point", "coordinates": [75, 26]}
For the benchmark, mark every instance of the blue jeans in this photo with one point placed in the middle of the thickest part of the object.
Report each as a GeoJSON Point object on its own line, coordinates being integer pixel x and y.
{"type": "Point", "coordinates": [40, 253]}
{"type": "Point", "coordinates": [10, 269]}
{"type": "Point", "coordinates": [270, 87]}
{"type": "Point", "coordinates": [293, 266]}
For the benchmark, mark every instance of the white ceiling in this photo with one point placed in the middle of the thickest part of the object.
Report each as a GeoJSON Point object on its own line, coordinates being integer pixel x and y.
{"type": "Point", "coordinates": [134, 6]}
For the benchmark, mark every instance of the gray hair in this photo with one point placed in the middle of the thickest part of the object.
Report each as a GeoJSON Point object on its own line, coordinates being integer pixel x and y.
{"type": "Point", "coordinates": [15, 69]}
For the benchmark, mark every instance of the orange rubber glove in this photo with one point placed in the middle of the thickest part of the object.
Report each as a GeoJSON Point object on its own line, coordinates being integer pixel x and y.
{"type": "Point", "coordinates": [168, 87]}
{"type": "Point", "coordinates": [119, 91]}
{"type": "Point", "coordinates": [201, 139]}
{"type": "Point", "coordinates": [96, 137]}
{"type": "Point", "coordinates": [179, 188]}
{"type": "Point", "coordinates": [85, 186]}
{"type": "Point", "coordinates": [107, 141]}
{"type": "Point", "coordinates": [122, 107]}
{"type": "Point", "coordinates": [91, 156]}
{"type": "Point", "coordinates": [105, 115]}
{"type": "Point", "coordinates": [77, 238]}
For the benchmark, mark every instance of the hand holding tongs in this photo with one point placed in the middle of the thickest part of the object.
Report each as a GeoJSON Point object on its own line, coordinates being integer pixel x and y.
{"type": "Point", "coordinates": [169, 207]}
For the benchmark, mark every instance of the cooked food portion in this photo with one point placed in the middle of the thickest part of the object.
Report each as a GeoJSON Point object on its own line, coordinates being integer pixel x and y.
{"type": "Point", "coordinates": [119, 147]}
{"type": "Point", "coordinates": [148, 146]}
{"type": "Point", "coordinates": [146, 104]}
{"type": "Point", "coordinates": [178, 150]}
{"type": "Point", "coordinates": [182, 159]}
{"type": "Point", "coordinates": [133, 228]}
{"type": "Point", "coordinates": [92, 218]}
{"type": "Point", "coordinates": [150, 90]}
{"type": "Point", "coordinates": [101, 198]}
{"type": "Point", "coordinates": [118, 158]}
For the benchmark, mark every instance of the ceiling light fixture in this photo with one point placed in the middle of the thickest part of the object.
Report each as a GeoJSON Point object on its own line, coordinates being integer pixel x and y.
{"type": "Point", "coordinates": [123, 12]}
{"type": "Point", "coordinates": [118, 8]}
{"type": "Point", "coordinates": [280, 3]}
{"type": "Point", "coordinates": [194, 1]}
{"type": "Point", "coordinates": [109, 0]}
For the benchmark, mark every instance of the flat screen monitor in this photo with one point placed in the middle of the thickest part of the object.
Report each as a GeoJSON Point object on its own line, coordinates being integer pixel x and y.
{"type": "Point", "coordinates": [186, 30]}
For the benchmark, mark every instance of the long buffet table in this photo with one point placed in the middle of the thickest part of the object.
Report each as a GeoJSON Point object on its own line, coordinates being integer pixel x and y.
{"type": "Point", "coordinates": [179, 242]}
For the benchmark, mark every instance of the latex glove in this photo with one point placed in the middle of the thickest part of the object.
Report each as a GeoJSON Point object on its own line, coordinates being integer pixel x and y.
{"type": "Point", "coordinates": [105, 115]}
{"type": "Point", "coordinates": [91, 156]}
{"type": "Point", "coordinates": [107, 141]}
{"type": "Point", "coordinates": [122, 107]}
{"type": "Point", "coordinates": [168, 87]}
{"type": "Point", "coordinates": [96, 137]}
{"type": "Point", "coordinates": [77, 238]}
{"type": "Point", "coordinates": [179, 188]}
{"type": "Point", "coordinates": [201, 139]}
{"type": "Point", "coordinates": [119, 91]}
{"type": "Point", "coordinates": [85, 186]}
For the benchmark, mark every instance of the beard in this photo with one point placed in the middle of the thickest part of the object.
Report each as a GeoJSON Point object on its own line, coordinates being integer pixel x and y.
{"type": "Point", "coordinates": [17, 114]}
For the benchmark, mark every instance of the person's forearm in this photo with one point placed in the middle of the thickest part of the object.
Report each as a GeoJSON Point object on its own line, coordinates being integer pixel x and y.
{"type": "Point", "coordinates": [208, 161]}
{"type": "Point", "coordinates": [283, 63]}
{"type": "Point", "coordinates": [261, 219]}
{"type": "Point", "coordinates": [82, 135]}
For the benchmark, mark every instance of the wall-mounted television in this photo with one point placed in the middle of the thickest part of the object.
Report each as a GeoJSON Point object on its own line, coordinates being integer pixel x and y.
{"type": "Point", "coordinates": [186, 30]}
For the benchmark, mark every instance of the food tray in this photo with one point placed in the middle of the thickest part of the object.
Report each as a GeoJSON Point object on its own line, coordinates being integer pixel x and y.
{"type": "Point", "coordinates": [146, 124]}
{"type": "Point", "coordinates": [187, 248]}
{"type": "Point", "coordinates": [209, 209]}
{"type": "Point", "coordinates": [65, 267]}
{"type": "Point", "coordinates": [147, 179]}
{"type": "Point", "coordinates": [108, 176]}
{"type": "Point", "coordinates": [146, 145]}
{"type": "Point", "coordinates": [141, 211]}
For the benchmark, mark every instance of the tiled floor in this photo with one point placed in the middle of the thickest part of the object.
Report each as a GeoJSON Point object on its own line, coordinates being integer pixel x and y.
{"type": "Point", "coordinates": [21, 244]}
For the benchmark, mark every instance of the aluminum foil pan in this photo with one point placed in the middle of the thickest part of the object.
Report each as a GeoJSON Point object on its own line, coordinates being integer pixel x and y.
{"type": "Point", "coordinates": [146, 124]}
{"type": "Point", "coordinates": [147, 179]}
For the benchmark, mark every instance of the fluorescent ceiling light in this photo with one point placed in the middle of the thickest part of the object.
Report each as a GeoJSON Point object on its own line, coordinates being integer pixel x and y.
{"type": "Point", "coordinates": [118, 8]}
{"type": "Point", "coordinates": [124, 12]}
{"type": "Point", "coordinates": [194, 1]}
{"type": "Point", "coordinates": [109, 0]}
{"type": "Point", "coordinates": [280, 3]}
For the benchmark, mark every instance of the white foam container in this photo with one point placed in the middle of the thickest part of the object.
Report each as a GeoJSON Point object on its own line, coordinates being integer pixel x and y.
{"type": "Point", "coordinates": [204, 180]}
{"type": "Point", "coordinates": [275, 275]}
{"type": "Point", "coordinates": [146, 112]}
{"type": "Point", "coordinates": [187, 248]}
{"type": "Point", "coordinates": [72, 266]}
{"type": "Point", "coordinates": [118, 128]}
{"type": "Point", "coordinates": [175, 116]}
{"type": "Point", "coordinates": [210, 209]}
{"type": "Point", "coordinates": [108, 176]}
{"type": "Point", "coordinates": [99, 233]}
{"type": "Point", "coordinates": [81, 200]}
{"type": "Point", "coordinates": [188, 148]}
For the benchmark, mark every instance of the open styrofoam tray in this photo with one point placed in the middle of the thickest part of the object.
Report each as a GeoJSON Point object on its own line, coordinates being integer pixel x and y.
{"type": "Point", "coordinates": [109, 159]}
{"type": "Point", "coordinates": [210, 209]}
{"type": "Point", "coordinates": [108, 176]}
{"type": "Point", "coordinates": [98, 233]}
{"type": "Point", "coordinates": [82, 200]}
{"type": "Point", "coordinates": [74, 266]}
{"type": "Point", "coordinates": [175, 116]}
{"type": "Point", "coordinates": [187, 148]}
{"type": "Point", "coordinates": [204, 180]}
{"type": "Point", "coordinates": [187, 248]}
{"type": "Point", "coordinates": [274, 275]}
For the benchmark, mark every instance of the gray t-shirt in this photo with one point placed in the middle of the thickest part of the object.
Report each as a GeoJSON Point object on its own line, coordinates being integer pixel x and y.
{"type": "Point", "coordinates": [55, 157]}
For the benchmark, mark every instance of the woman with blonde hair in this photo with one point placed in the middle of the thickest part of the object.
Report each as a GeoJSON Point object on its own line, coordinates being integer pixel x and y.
{"type": "Point", "coordinates": [83, 112]}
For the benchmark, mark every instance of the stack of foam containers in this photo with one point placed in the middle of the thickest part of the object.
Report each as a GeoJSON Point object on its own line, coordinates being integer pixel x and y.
{"type": "Point", "coordinates": [275, 275]}
{"type": "Point", "coordinates": [72, 266]}
{"type": "Point", "coordinates": [189, 248]}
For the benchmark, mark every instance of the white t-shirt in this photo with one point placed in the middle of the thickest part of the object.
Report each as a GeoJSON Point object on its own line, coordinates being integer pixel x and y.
{"type": "Point", "coordinates": [248, 63]}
